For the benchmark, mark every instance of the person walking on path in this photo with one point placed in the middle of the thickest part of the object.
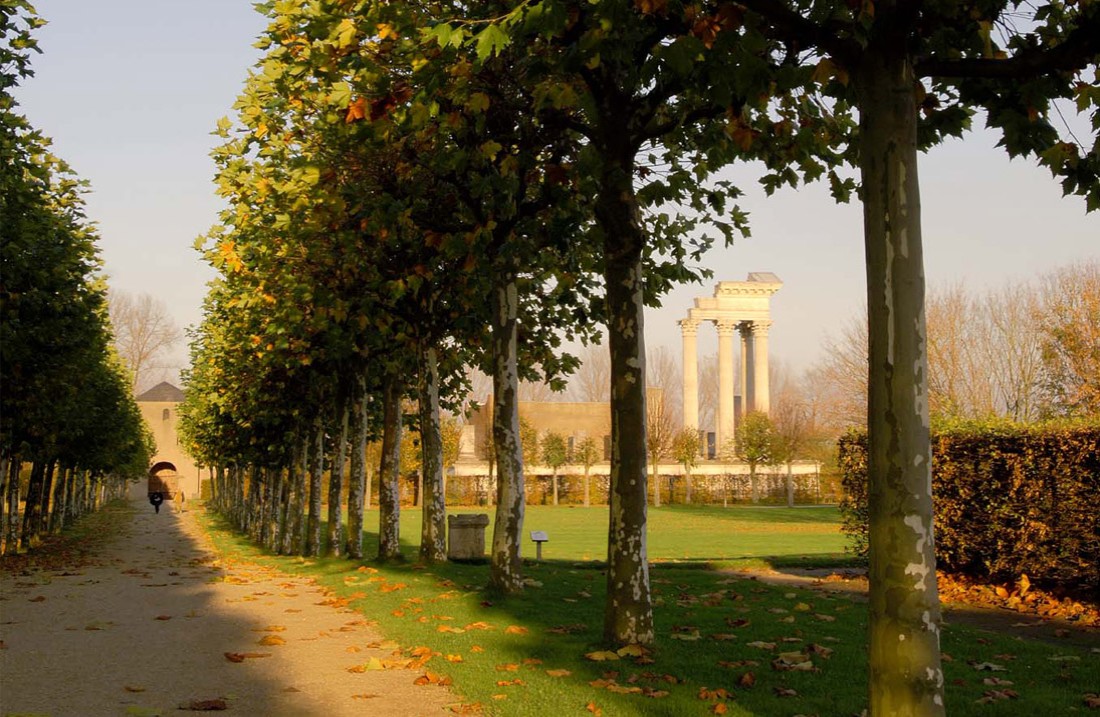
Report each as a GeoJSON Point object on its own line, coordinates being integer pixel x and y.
{"type": "Point", "coordinates": [152, 620]}
{"type": "Point", "coordinates": [156, 498]}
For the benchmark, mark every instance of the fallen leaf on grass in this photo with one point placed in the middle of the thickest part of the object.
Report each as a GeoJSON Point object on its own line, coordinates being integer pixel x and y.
{"type": "Point", "coordinates": [531, 661]}
{"type": "Point", "coordinates": [632, 650]}
{"type": "Point", "coordinates": [747, 680]}
{"type": "Point", "coordinates": [242, 656]}
{"type": "Point", "coordinates": [784, 692]}
{"type": "Point", "coordinates": [987, 666]}
{"type": "Point", "coordinates": [997, 681]}
{"type": "Point", "coordinates": [477, 648]}
{"type": "Point", "coordinates": [510, 667]}
{"type": "Point", "coordinates": [558, 673]}
{"type": "Point", "coordinates": [601, 656]}
{"type": "Point", "coordinates": [453, 658]}
{"type": "Point", "coordinates": [468, 708]}
{"type": "Point", "coordinates": [719, 709]}
{"type": "Point", "coordinates": [516, 630]}
{"type": "Point", "coordinates": [510, 683]}
{"type": "Point", "coordinates": [997, 696]}
{"type": "Point", "coordinates": [215, 705]}
{"type": "Point", "coordinates": [1092, 701]}
{"type": "Point", "coordinates": [762, 645]}
{"type": "Point", "coordinates": [591, 707]}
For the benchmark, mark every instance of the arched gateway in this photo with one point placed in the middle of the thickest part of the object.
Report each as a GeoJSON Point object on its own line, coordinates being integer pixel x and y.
{"type": "Point", "coordinates": [745, 307]}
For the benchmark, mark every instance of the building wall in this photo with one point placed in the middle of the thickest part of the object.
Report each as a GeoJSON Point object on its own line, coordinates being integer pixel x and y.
{"type": "Point", "coordinates": [162, 419]}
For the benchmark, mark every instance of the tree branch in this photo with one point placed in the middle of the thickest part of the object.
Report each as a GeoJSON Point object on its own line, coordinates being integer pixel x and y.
{"type": "Point", "coordinates": [1081, 47]}
{"type": "Point", "coordinates": [793, 26]}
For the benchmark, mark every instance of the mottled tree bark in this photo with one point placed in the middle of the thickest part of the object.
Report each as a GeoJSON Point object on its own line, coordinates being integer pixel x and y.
{"type": "Point", "coordinates": [294, 533]}
{"type": "Point", "coordinates": [389, 475]}
{"type": "Point", "coordinates": [57, 506]}
{"type": "Point", "coordinates": [433, 533]}
{"type": "Point", "coordinates": [506, 568]}
{"type": "Point", "coordinates": [316, 476]}
{"type": "Point", "coordinates": [43, 521]}
{"type": "Point", "coordinates": [628, 616]}
{"type": "Point", "coordinates": [906, 676]}
{"type": "Point", "coordinates": [357, 483]}
{"type": "Point", "coordinates": [336, 485]}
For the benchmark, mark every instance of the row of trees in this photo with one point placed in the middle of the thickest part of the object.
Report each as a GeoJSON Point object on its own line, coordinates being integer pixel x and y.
{"type": "Point", "coordinates": [408, 195]}
{"type": "Point", "coordinates": [67, 410]}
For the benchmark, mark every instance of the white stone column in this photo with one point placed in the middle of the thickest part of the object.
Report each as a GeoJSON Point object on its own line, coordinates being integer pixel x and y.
{"type": "Point", "coordinates": [689, 329]}
{"type": "Point", "coordinates": [745, 330]}
{"type": "Point", "coordinates": [760, 365]}
{"type": "Point", "coordinates": [726, 425]}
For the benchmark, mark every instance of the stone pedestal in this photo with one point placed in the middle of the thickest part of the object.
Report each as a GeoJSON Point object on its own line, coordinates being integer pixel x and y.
{"type": "Point", "coordinates": [466, 536]}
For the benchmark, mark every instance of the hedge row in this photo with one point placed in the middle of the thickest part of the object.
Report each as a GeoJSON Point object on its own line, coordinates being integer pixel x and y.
{"type": "Point", "coordinates": [1009, 500]}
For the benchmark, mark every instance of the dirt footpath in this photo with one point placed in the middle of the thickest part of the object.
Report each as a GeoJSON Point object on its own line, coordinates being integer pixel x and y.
{"type": "Point", "coordinates": [143, 628]}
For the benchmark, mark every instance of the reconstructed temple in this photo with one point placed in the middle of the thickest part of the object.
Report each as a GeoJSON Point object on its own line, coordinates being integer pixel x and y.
{"type": "Point", "coordinates": [737, 306]}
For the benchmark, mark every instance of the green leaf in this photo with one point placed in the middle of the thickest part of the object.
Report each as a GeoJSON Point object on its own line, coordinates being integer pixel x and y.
{"type": "Point", "coordinates": [491, 41]}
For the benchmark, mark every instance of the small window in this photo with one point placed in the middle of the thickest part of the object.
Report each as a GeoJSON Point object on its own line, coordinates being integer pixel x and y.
{"type": "Point", "coordinates": [164, 416]}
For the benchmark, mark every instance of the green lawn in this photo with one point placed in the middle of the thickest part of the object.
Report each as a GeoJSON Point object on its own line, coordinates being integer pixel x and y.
{"type": "Point", "coordinates": [710, 534]}
{"type": "Point", "coordinates": [721, 639]}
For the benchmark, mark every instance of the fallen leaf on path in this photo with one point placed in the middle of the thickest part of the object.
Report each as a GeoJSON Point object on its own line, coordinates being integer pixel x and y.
{"type": "Point", "coordinates": [215, 705]}
{"type": "Point", "coordinates": [469, 708]}
{"type": "Point", "coordinates": [40, 598]}
{"type": "Point", "coordinates": [242, 656]}
{"type": "Point", "coordinates": [131, 688]}
{"type": "Point", "coordinates": [269, 640]}
{"type": "Point", "coordinates": [163, 617]}
{"type": "Point", "coordinates": [365, 696]}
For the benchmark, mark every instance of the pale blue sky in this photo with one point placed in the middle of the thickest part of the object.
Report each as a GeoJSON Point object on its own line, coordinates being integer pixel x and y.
{"type": "Point", "coordinates": [130, 89]}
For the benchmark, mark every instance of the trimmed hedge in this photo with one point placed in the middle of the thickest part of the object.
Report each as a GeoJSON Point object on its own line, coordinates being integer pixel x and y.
{"type": "Point", "coordinates": [1009, 500]}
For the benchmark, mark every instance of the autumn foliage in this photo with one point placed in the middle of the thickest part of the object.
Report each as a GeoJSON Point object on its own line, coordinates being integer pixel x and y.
{"type": "Point", "coordinates": [1011, 500]}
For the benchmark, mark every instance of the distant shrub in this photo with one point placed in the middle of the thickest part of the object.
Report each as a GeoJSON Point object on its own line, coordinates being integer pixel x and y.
{"type": "Point", "coordinates": [1009, 500]}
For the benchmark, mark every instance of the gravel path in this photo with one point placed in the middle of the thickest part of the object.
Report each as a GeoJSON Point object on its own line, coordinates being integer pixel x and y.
{"type": "Point", "coordinates": [143, 628]}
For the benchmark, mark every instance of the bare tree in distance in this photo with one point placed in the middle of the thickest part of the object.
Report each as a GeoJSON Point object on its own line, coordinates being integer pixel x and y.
{"type": "Point", "coordinates": [143, 332]}
{"type": "Point", "coordinates": [537, 391]}
{"type": "Point", "coordinates": [663, 372]}
{"type": "Point", "coordinates": [708, 392]}
{"type": "Point", "coordinates": [592, 380]}
{"type": "Point", "coordinates": [1069, 322]}
{"type": "Point", "coordinates": [1013, 349]}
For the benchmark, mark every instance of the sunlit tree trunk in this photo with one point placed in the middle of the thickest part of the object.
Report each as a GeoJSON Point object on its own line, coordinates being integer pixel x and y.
{"type": "Point", "coordinates": [336, 485]}
{"type": "Point", "coordinates": [505, 570]}
{"type": "Point", "coordinates": [43, 518]}
{"type": "Point", "coordinates": [628, 616]}
{"type": "Point", "coordinates": [389, 474]}
{"type": "Point", "coordinates": [293, 532]}
{"type": "Point", "coordinates": [433, 535]}
{"type": "Point", "coordinates": [316, 482]}
{"type": "Point", "coordinates": [905, 671]}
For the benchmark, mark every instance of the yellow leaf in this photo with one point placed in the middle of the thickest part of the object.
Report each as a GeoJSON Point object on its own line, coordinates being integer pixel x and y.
{"type": "Point", "coordinates": [601, 656]}
{"type": "Point", "coordinates": [632, 650]}
{"type": "Point", "coordinates": [558, 673]}
{"type": "Point", "coordinates": [269, 640]}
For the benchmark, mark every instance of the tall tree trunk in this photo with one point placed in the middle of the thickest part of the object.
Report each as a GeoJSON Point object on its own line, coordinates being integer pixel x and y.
{"type": "Point", "coordinates": [389, 474]}
{"type": "Point", "coordinates": [754, 483]}
{"type": "Point", "coordinates": [628, 616]}
{"type": "Point", "coordinates": [57, 510]}
{"type": "Point", "coordinates": [906, 675]}
{"type": "Point", "coordinates": [33, 505]}
{"type": "Point", "coordinates": [336, 485]}
{"type": "Point", "coordinates": [687, 485]}
{"type": "Point", "coordinates": [9, 498]}
{"type": "Point", "coordinates": [266, 490]}
{"type": "Point", "coordinates": [316, 481]}
{"type": "Point", "coordinates": [789, 486]}
{"type": "Point", "coordinates": [358, 486]}
{"type": "Point", "coordinates": [294, 531]}
{"type": "Point", "coordinates": [505, 568]}
{"type": "Point", "coordinates": [433, 533]}
{"type": "Point", "coordinates": [47, 490]}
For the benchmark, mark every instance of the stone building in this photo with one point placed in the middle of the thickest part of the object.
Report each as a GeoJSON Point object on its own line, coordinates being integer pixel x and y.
{"type": "Point", "coordinates": [159, 407]}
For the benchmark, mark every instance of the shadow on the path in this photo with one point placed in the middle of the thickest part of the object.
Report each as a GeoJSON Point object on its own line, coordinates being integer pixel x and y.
{"type": "Point", "coordinates": [140, 626]}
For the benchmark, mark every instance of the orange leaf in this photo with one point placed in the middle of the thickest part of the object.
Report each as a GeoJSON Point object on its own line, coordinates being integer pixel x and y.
{"type": "Point", "coordinates": [591, 707]}
{"type": "Point", "coordinates": [357, 110]}
{"type": "Point", "coordinates": [269, 640]}
{"type": "Point", "coordinates": [720, 709]}
{"type": "Point", "coordinates": [516, 630]}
